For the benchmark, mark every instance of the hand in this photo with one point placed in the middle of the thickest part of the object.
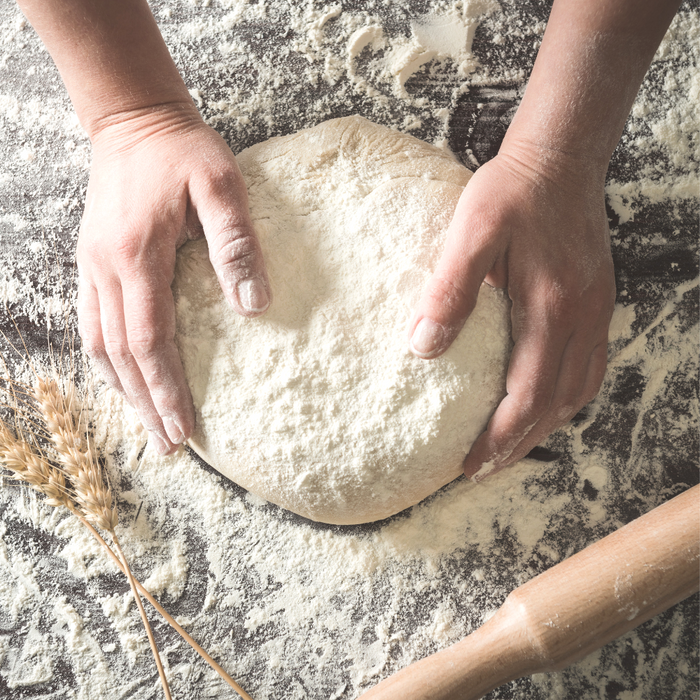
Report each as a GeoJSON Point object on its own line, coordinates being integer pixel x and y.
{"type": "Point", "coordinates": [159, 177]}
{"type": "Point", "coordinates": [533, 222]}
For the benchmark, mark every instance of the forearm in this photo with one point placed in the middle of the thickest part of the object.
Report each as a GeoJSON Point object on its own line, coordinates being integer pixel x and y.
{"type": "Point", "coordinates": [593, 58]}
{"type": "Point", "coordinates": [110, 55]}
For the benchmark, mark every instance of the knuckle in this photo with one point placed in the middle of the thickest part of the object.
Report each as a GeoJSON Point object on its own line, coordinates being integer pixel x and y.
{"type": "Point", "coordinates": [89, 249]}
{"type": "Point", "coordinates": [236, 244]}
{"type": "Point", "coordinates": [221, 184]}
{"type": "Point", "coordinates": [93, 346]}
{"type": "Point", "coordinates": [127, 248]}
{"type": "Point", "coordinates": [118, 352]}
{"type": "Point", "coordinates": [145, 344]}
{"type": "Point", "coordinates": [444, 292]}
{"type": "Point", "coordinates": [224, 180]}
{"type": "Point", "coordinates": [560, 301]}
{"type": "Point", "coordinates": [565, 298]}
{"type": "Point", "coordinates": [535, 405]}
{"type": "Point", "coordinates": [121, 253]}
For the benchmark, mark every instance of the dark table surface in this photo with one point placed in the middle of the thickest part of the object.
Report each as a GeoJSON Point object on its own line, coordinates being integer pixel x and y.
{"type": "Point", "coordinates": [260, 74]}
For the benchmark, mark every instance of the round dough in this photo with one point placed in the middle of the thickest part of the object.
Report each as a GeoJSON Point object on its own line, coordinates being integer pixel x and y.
{"type": "Point", "coordinates": [318, 405]}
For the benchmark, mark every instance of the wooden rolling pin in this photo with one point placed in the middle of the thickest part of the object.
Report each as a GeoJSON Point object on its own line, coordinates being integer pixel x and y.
{"type": "Point", "coordinates": [568, 611]}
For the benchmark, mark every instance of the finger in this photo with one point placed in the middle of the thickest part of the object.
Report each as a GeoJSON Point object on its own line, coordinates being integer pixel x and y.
{"type": "Point", "coordinates": [579, 381]}
{"type": "Point", "coordinates": [532, 377]}
{"type": "Point", "coordinates": [149, 324]}
{"type": "Point", "coordinates": [90, 329]}
{"type": "Point", "coordinates": [125, 365]}
{"type": "Point", "coordinates": [580, 376]}
{"type": "Point", "coordinates": [451, 293]}
{"type": "Point", "coordinates": [596, 371]}
{"type": "Point", "coordinates": [150, 330]}
{"type": "Point", "coordinates": [234, 249]}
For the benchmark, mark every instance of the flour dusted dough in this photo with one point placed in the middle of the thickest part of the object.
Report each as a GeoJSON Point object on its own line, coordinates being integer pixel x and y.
{"type": "Point", "coordinates": [318, 405]}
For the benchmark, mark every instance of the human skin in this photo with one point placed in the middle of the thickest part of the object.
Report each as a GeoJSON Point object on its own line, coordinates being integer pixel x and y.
{"type": "Point", "coordinates": [159, 177]}
{"type": "Point", "coordinates": [532, 220]}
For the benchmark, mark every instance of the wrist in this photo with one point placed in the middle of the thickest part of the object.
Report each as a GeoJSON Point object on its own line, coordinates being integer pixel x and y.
{"type": "Point", "coordinates": [554, 162]}
{"type": "Point", "coordinates": [111, 57]}
{"type": "Point", "coordinates": [136, 101]}
{"type": "Point", "coordinates": [124, 127]}
{"type": "Point", "coordinates": [566, 121]}
{"type": "Point", "coordinates": [592, 60]}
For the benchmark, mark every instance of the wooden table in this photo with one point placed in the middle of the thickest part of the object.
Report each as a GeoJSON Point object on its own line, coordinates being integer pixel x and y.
{"type": "Point", "coordinates": [644, 422]}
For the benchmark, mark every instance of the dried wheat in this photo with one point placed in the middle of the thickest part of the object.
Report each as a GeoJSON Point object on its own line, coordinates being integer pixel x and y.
{"type": "Point", "coordinates": [58, 408]}
{"type": "Point", "coordinates": [75, 453]}
{"type": "Point", "coordinates": [18, 457]}
{"type": "Point", "coordinates": [78, 485]}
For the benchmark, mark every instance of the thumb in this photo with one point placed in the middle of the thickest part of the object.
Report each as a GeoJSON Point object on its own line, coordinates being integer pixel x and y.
{"type": "Point", "coordinates": [451, 293]}
{"type": "Point", "coordinates": [234, 249]}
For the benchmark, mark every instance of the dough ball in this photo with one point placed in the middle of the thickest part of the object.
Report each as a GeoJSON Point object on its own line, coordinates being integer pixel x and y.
{"type": "Point", "coordinates": [318, 405]}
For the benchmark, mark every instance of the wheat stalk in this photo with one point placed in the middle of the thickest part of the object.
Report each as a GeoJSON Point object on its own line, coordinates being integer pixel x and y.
{"type": "Point", "coordinates": [88, 499]}
{"type": "Point", "coordinates": [146, 624]}
{"type": "Point", "coordinates": [92, 495]}
{"type": "Point", "coordinates": [168, 618]}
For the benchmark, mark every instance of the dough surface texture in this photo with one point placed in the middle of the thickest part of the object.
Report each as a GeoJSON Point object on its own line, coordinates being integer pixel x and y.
{"type": "Point", "coordinates": [318, 405]}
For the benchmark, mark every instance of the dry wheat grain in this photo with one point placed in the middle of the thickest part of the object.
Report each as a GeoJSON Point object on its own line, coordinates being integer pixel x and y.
{"type": "Point", "coordinates": [18, 457]}
{"type": "Point", "coordinates": [58, 408]}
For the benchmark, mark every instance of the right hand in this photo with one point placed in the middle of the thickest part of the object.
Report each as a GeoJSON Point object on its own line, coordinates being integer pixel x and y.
{"type": "Point", "coordinates": [159, 178]}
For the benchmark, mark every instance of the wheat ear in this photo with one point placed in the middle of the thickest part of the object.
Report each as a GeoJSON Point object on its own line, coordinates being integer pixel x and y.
{"type": "Point", "coordinates": [26, 465]}
{"type": "Point", "coordinates": [19, 457]}
{"type": "Point", "coordinates": [75, 454]}
{"type": "Point", "coordinates": [94, 497]}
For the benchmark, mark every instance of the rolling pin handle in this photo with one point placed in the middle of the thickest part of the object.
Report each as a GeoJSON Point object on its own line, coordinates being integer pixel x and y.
{"type": "Point", "coordinates": [570, 610]}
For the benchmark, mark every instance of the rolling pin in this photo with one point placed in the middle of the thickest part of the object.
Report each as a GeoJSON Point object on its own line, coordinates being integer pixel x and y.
{"type": "Point", "coordinates": [567, 612]}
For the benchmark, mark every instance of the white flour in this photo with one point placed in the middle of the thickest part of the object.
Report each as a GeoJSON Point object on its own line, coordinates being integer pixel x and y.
{"type": "Point", "coordinates": [290, 608]}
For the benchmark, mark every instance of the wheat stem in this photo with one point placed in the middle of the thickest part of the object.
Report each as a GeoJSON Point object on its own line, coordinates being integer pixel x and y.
{"type": "Point", "coordinates": [146, 624]}
{"type": "Point", "coordinates": [167, 616]}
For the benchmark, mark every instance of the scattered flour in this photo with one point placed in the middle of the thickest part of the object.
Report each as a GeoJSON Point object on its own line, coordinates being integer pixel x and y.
{"type": "Point", "coordinates": [291, 608]}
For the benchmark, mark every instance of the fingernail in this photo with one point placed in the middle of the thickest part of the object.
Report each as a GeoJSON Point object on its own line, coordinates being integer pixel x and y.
{"type": "Point", "coordinates": [486, 469]}
{"type": "Point", "coordinates": [173, 430]}
{"type": "Point", "coordinates": [160, 446]}
{"type": "Point", "coordinates": [253, 295]}
{"type": "Point", "coordinates": [427, 338]}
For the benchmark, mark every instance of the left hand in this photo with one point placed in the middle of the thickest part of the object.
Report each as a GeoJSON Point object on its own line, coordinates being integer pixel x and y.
{"type": "Point", "coordinates": [533, 222]}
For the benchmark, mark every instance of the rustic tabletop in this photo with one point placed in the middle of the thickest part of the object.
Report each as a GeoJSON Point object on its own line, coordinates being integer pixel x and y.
{"type": "Point", "coordinates": [295, 609]}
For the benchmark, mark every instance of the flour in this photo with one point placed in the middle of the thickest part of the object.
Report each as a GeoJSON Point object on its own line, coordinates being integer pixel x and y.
{"type": "Point", "coordinates": [318, 405]}
{"type": "Point", "coordinates": [296, 610]}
